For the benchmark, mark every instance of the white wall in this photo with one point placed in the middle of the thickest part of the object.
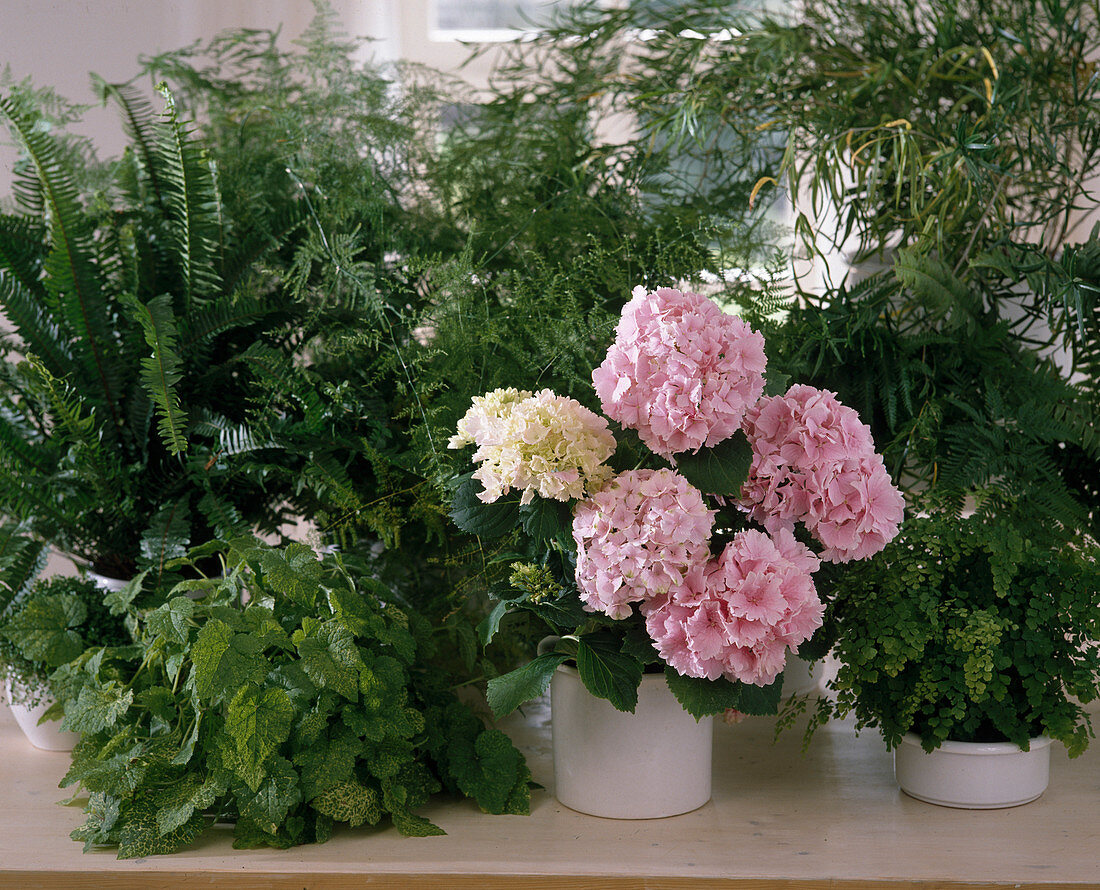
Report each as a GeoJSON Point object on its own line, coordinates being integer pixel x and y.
{"type": "Point", "coordinates": [58, 42]}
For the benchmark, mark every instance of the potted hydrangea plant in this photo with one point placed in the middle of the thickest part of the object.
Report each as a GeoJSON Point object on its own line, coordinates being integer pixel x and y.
{"type": "Point", "coordinates": [674, 556]}
{"type": "Point", "coordinates": [969, 644]}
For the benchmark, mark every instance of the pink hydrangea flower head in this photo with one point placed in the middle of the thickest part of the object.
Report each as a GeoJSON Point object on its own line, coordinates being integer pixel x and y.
{"type": "Point", "coordinates": [738, 616]}
{"type": "Point", "coordinates": [856, 511]}
{"type": "Point", "coordinates": [541, 444]}
{"type": "Point", "coordinates": [637, 538]}
{"type": "Point", "coordinates": [681, 372]}
{"type": "Point", "coordinates": [814, 462]}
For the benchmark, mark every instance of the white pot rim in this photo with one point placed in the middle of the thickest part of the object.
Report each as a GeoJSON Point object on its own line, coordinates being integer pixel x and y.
{"type": "Point", "coordinates": [646, 678]}
{"type": "Point", "coordinates": [980, 749]}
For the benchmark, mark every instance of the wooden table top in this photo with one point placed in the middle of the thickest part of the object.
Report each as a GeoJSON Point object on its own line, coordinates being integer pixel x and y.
{"type": "Point", "coordinates": [832, 818]}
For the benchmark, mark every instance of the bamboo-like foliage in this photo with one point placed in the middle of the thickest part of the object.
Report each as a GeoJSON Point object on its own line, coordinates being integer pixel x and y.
{"type": "Point", "coordinates": [953, 138]}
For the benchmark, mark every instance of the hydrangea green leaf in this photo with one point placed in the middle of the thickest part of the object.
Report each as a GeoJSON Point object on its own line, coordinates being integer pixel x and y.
{"type": "Point", "coordinates": [720, 470]}
{"type": "Point", "coordinates": [702, 697]}
{"type": "Point", "coordinates": [776, 383]}
{"type": "Point", "coordinates": [607, 673]}
{"type": "Point", "coordinates": [760, 701]}
{"type": "Point", "coordinates": [475, 517]}
{"type": "Point", "coordinates": [545, 519]}
{"type": "Point", "coordinates": [487, 628]}
{"type": "Point", "coordinates": [509, 691]}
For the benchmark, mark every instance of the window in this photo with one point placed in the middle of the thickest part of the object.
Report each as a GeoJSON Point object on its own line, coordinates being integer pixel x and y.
{"type": "Point", "coordinates": [481, 18]}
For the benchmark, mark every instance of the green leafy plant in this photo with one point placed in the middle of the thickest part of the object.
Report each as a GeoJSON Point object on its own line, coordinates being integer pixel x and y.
{"type": "Point", "coordinates": [960, 401]}
{"type": "Point", "coordinates": [46, 625]}
{"type": "Point", "coordinates": [286, 695]}
{"type": "Point", "coordinates": [952, 140]}
{"type": "Point", "coordinates": [944, 126]}
{"type": "Point", "coordinates": [153, 367]}
{"type": "Point", "coordinates": [970, 629]}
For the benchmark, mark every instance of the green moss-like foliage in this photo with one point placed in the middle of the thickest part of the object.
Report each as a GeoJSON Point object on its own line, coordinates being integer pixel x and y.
{"type": "Point", "coordinates": [970, 630]}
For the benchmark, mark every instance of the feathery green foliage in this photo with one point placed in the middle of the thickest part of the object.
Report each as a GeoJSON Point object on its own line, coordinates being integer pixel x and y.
{"type": "Point", "coordinates": [149, 341]}
{"type": "Point", "coordinates": [976, 629]}
{"type": "Point", "coordinates": [956, 140]}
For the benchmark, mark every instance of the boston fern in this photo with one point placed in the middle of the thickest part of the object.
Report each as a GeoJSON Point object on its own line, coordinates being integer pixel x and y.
{"type": "Point", "coordinates": [148, 351]}
{"type": "Point", "coordinates": [290, 695]}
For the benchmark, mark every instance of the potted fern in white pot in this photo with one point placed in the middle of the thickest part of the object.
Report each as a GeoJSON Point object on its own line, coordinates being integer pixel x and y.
{"type": "Point", "coordinates": [967, 643]}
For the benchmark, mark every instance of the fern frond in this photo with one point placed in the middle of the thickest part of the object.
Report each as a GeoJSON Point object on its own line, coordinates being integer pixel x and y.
{"type": "Point", "coordinates": [22, 250]}
{"type": "Point", "coordinates": [74, 429]}
{"type": "Point", "coordinates": [231, 311]}
{"type": "Point", "coordinates": [139, 122]}
{"type": "Point", "coordinates": [940, 293]}
{"type": "Point", "coordinates": [192, 205]}
{"type": "Point", "coordinates": [161, 369]}
{"type": "Point", "coordinates": [25, 310]}
{"type": "Point", "coordinates": [168, 535]}
{"type": "Point", "coordinates": [242, 258]}
{"type": "Point", "coordinates": [71, 280]}
{"type": "Point", "coordinates": [230, 438]}
{"type": "Point", "coordinates": [21, 560]}
{"type": "Point", "coordinates": [222, 516]}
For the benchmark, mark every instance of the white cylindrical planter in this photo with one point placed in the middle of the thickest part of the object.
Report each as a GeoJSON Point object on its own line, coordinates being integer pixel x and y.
{"type": "Point", "coordinates": [48, 736]}
{"type": "Point", "coordinates": [104, 582]}
{"type": "Point", "coordinates": [801, 677]}
{"type": "Point", "coordinates": [653, 763]}
{"type": "Point", "coordinates": [973, 775]}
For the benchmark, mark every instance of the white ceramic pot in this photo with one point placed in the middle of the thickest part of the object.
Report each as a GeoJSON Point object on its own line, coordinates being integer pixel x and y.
{"type": "Point", "coordinates": [48, 736]}
{"type": "Point", "coordinates": [973, 775]}
{"type": "Point", "coordinates": [653, 763]}
{"type": "Point", "coordinates": [103, 582]}
{"type": "Point", "coordinates": [801, 677]}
